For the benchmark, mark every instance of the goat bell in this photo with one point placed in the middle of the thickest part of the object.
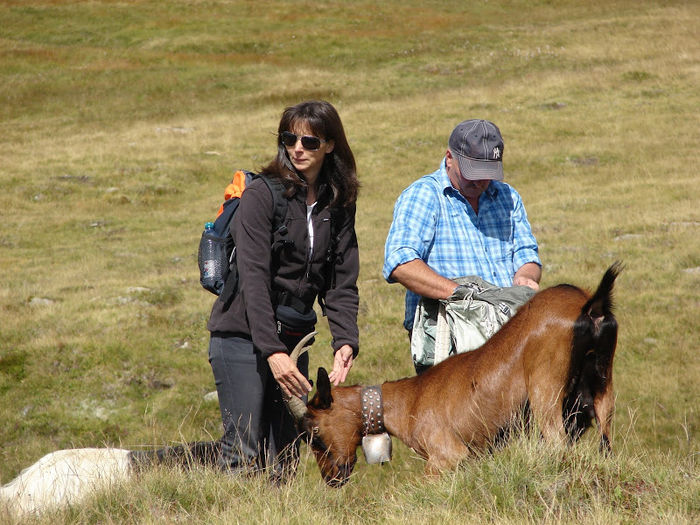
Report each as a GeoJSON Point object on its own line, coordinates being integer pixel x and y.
{"type": "Point", "coordinates": [377, 448]}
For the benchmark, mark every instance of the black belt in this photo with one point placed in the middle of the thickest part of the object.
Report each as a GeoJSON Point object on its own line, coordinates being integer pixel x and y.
{"type": "Point", "coordinates": [286, 298]}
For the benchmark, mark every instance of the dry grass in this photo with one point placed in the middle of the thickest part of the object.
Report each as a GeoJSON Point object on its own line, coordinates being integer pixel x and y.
{"type": "Point", "coordinates": [122, 121]}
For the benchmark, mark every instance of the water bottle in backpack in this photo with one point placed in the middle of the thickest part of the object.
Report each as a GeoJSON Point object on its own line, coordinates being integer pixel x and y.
{"type": "Point", "coordinates": [212, 259]}
{"type": "Point", "coordinates": [216, 255]}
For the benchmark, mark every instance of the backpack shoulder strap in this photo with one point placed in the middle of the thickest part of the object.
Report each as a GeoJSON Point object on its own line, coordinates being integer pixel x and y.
{"type": "Point", "coordinates": [279, 201]}
{"type": "Point", "coordinates": [337, 216]}
{"type": "Point", "coordinates": [333, 256]}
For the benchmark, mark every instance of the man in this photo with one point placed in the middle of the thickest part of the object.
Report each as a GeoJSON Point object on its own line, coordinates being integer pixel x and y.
{"type": "Point", "coordinates": [461, 220]}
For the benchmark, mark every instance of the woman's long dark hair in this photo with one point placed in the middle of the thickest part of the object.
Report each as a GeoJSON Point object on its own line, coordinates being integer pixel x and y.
{"type": "Point", "coordinates": [338, 171]}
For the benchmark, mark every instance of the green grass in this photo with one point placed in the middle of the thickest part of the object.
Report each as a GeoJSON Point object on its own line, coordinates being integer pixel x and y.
{"type": "Point", "coordinates": [121, 123]}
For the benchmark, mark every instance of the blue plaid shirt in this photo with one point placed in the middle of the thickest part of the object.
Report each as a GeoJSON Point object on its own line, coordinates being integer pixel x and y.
{"type": "Point", "coordinates": [435, 223]}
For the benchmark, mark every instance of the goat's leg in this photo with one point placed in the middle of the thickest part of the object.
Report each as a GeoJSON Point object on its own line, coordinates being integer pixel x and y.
{"type": "Point", "coordinates": [445, 453]}
{"type": "Point", "coordinates": [604, 406]}
{"type": "Point", "coordinates": [546, 405]}
{"type": "Point", "coordinates": [432, 470]}
{"type": "Point", "coordinates": [437, 464]}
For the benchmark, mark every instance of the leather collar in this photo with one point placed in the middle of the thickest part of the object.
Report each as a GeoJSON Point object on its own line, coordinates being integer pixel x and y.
{"type": "Point", "coordinates": [372, 410]}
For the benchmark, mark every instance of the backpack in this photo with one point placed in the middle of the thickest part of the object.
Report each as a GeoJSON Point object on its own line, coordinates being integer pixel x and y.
{"type": "Point", "coordinates": [217, 253]}
{"type": "Point", "coordinates": [442, 328]}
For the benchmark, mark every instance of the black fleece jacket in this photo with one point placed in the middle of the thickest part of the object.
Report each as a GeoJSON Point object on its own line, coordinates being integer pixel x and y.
{"type": "Point", "coordinates": [251, 312]}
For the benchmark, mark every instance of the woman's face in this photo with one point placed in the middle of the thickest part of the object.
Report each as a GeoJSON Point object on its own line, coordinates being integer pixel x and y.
{"type": "Point", "coordinates": [307, 161]}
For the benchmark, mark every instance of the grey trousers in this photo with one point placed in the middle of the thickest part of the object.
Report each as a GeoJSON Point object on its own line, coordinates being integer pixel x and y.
{"type": "Point", "coordinates": [259, 432]}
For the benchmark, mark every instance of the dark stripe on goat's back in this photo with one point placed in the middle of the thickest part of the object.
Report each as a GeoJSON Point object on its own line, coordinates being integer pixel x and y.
{"type": "Point", "coordinates": [593, 343]}
{"type": "Point", "coordinates": [577, 407]}
{"type": "Point", "coordinates": [196, 453]}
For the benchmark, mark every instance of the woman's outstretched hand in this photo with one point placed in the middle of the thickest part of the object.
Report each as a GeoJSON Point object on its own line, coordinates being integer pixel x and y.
{"type": "Point", "coordinates": [291, 381]}
{"type": "Point", "coordinates": [342, 363]}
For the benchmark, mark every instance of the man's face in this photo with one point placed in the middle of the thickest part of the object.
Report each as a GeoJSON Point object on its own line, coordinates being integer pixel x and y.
{"type": "Point", "coordinates": [470, 189]}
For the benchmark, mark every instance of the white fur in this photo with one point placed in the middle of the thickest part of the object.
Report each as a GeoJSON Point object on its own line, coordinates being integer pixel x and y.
{"type": "Point", "coordinates": [65, 477]}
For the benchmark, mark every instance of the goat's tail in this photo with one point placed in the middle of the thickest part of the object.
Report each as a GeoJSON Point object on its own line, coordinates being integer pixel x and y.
{"type": "Point", "coordinates": [589, 390]}
{"type": "Point", "coordinates": [601, 303]}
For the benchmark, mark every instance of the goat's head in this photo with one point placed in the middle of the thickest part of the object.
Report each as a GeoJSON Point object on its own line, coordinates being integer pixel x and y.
{"type": "Point", "coordinates": [333, 429]}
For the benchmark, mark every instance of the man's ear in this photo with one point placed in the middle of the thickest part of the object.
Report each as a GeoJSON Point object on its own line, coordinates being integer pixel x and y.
{"type": "Point", "coordinates": [323, 389]}
{"type": "Point", "coordinates": [449, 159]}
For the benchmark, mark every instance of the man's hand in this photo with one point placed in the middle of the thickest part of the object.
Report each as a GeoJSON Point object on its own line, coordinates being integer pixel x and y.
{"type": "Point", "coordinates": [460, 292]}
{"type": "Point", "coordinates": [291, 381]}
{"type": "Point", "coordinates": [529, 274]}
{"type": "Point", "coordinates": [525, 281]}
{"type": "Point", "coordinates": [342, 363]}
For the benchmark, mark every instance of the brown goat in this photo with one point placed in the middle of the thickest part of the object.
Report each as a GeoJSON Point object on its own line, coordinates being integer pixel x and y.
{"type": "Point", "coordinates": [555, 356]}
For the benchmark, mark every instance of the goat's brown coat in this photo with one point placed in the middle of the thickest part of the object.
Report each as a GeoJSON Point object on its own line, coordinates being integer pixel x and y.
{"type": "Point", "coordinates": [555, 354]}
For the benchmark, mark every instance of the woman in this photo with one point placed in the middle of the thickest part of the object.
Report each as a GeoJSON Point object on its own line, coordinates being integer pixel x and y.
{"type": "Point", "coordinates": [281, 275]}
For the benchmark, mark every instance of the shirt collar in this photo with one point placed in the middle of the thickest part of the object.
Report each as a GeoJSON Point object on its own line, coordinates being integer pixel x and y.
{"type": "Point", "coordinates": [444, 178]}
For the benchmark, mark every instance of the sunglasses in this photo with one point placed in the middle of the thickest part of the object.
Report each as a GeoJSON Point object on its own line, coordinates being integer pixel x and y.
{"type": "Point", "coordinates": [308, 142]}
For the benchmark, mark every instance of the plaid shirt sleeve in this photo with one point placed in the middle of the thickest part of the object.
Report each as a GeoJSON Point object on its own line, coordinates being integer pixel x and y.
{"type": "Point", "coordinates": [525, 247]}
{"type": "Point", "coordinates": [413, 227]}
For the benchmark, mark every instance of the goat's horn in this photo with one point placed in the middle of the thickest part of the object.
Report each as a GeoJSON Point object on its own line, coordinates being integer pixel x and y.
{"type": "Point", "coordinates": [300, 348]}
{"type": "Point", "coordinates": [295, 405]}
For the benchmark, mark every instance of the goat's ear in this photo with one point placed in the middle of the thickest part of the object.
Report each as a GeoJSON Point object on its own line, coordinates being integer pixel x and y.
{"type": "Point", "coordinates": [323, 389]}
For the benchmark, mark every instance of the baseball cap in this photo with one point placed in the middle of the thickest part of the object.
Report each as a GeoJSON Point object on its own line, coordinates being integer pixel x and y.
{"type": "Point", "coordinates": [478, 148]}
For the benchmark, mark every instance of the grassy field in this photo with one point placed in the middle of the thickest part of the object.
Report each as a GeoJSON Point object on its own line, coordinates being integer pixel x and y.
{"type": "Point", "coordinates": [121, 123]}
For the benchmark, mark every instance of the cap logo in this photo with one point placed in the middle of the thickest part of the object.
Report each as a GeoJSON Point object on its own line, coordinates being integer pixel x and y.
{"type": "Point", "coordinates": [496, 153]}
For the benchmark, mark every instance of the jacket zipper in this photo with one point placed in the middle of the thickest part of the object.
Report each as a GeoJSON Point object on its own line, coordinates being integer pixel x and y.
{"type": "Point", "coordinates": [307, 269]}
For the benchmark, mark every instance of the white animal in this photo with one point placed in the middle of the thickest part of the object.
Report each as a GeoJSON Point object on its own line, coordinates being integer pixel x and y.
{"type": "Point", "coordinates": [65, 477]}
